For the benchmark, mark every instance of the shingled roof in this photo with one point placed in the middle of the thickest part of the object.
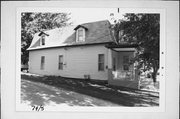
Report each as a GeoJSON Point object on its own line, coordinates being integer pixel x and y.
{"type": "Point", "coordinates": [96, 33]}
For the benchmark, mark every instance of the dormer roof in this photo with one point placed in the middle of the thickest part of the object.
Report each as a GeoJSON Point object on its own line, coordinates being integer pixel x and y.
{"type": "Point", "coordinates": [41, 33]}
{"type": "Point", "coordinates": [77, 27]}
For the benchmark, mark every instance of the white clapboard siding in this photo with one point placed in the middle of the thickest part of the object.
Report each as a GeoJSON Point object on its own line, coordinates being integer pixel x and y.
{"type": "Point", "coordinates": [80, 61]}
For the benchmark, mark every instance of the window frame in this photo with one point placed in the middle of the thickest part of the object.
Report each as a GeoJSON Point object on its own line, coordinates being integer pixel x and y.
{"type": "Point", "coordinates": [82, 35]}
{"type": "Point", "coordinates": [42, 67]}
{"type": "Point", "coordinates": [101, 62]}
{"type": "Point", "coordinates": [43, 40]}
{"type": "Point", "coordinates": [60, 63]}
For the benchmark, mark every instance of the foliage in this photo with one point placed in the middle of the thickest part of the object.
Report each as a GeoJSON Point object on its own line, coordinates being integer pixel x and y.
{"type": "Point", "coordinates": [32, 23]}
{"type": "Point", "coordinates": [144, 30]}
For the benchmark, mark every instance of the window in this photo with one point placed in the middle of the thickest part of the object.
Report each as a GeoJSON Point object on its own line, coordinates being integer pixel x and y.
{"type": "Point", "coordinates": [60, 67]}
{"type": "Point", "coordinates": [43, 40]}
{"type": "Point", "coordinates": [126, 63]}
{"type": "Point", "coordinates": [80, 35]}
{"type": "Point", "coordinates": [42, 62]}
{"type": "Point", "coordinates": [101, 62]}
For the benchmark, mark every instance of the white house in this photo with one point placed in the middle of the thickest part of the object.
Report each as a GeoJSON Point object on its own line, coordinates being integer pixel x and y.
{"type": "Point", "coordinates": [86, 51]}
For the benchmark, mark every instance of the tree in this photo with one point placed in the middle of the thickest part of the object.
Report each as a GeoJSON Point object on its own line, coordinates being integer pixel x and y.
{"type": "Point", "coordinates": [144, 30]}
{"type": "Point", "coordinates": [32, 23]}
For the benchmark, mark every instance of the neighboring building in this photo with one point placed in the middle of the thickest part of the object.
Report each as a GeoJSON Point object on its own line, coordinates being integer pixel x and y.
{"type": "Point", "coordinates": [86, 51]}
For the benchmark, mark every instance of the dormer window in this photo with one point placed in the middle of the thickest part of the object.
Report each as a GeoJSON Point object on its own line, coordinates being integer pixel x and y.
{"type": "Point", "coordinates": [42, 38]}
{"type": "Point", "coordinates": [80, 33]}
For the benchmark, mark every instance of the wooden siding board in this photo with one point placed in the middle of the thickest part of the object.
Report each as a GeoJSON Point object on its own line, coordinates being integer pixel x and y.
{"type": "Point", "coordinates": [79, 61]}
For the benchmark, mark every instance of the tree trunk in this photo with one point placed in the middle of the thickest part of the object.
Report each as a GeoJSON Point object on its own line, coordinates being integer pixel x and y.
{"type": "Point", "coordinates": [155, 70]}
{"type": "Point", "coordinates": [154, 76]}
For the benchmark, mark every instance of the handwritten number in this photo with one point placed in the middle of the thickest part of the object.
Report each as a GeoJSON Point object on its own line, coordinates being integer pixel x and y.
{"type": "Point", "coordinates": [42, 108]}
{"type": "Point", "coordinates": [33, 107]}
{"type": "Point", "coordinates": [37, 108]}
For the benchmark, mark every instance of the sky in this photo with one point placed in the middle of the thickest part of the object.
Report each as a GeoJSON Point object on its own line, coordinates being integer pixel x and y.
{"type": "Point", "coordinates": [84, 15]}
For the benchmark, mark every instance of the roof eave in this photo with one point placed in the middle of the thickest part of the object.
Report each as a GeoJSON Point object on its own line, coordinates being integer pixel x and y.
{"type": "Point", "coordinates": [75, 45]}
{"type": "Point", "coordinates": [122, 45]}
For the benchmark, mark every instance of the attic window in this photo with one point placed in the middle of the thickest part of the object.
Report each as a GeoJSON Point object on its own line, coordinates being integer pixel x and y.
{"type": "Point", "coordinates": [80, 35]}
{"type": "Point", "coordinates": [43, 40]}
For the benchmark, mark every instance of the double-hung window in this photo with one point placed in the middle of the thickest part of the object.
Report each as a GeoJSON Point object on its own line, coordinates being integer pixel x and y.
{"type": "Point", "coordinates": [42, 62]}
{"type": "Point", "coordinates": [80, 35]}
{"type": "Point", "coordinates": [43, 41]}
{"type": "Point", "coordinates": [60, 66]}
{"type": "Point", "coordinates": [101, 62]}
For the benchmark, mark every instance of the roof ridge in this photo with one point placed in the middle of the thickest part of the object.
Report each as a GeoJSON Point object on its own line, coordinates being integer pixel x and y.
{"type": "Point", "coordinates": [106, 20]}
{"type": "Point", "coordinates": [45, 30]}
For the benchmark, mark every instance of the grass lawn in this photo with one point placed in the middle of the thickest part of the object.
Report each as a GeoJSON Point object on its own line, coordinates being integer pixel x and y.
{"type": "Point", "coordinates": [118, 95]}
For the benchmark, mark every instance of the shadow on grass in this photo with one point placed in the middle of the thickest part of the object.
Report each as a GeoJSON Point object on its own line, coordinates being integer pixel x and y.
{"type": "Point", "coordinates": [118, 95]}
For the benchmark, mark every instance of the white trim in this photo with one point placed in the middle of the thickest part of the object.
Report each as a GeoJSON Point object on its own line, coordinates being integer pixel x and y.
{"type": "Point", "coordinates": [110, 59]}
{"type": "Point", "coordinates": [40, 41]}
